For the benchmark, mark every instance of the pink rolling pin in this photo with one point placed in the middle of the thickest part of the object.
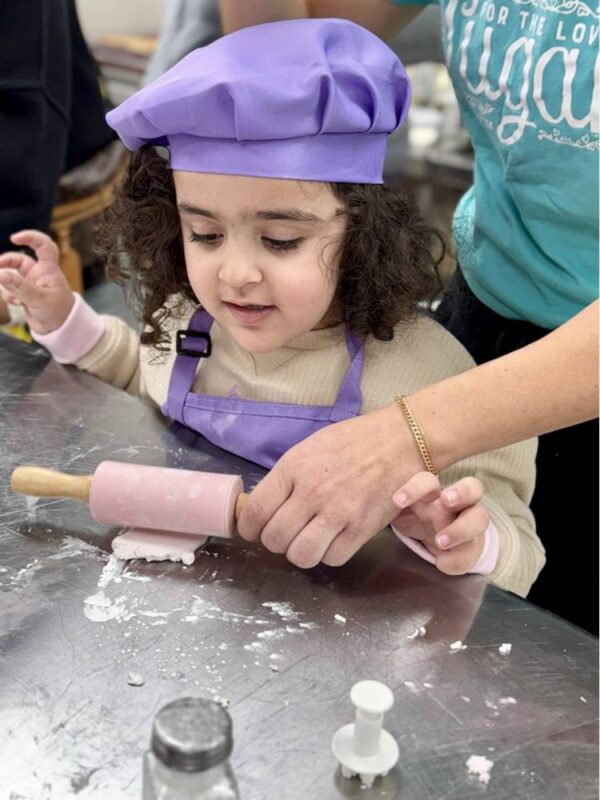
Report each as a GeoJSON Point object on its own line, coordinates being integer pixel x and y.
{"type": "Point", "coordinates": [153, 499]}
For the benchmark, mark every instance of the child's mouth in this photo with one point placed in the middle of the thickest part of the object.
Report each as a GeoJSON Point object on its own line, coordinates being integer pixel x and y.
{"type": "Point", "coordinates": [251, 313]}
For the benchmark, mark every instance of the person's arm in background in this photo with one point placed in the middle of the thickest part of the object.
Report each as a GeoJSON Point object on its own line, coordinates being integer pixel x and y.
{"type": "Point", "coordinates": [342, 477]}
{"type": "Point", "coordinates": [378, 16]}
{"type": "Point", "coordinates": [236, 15]}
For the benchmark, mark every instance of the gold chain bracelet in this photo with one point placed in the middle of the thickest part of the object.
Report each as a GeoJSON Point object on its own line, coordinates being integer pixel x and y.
{"type": "Point", "coordinates": [417, 433]}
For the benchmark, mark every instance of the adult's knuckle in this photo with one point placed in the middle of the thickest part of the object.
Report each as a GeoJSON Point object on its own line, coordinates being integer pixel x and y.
{"type": "Point", "coordinates": [302, 557]}
{"type": "Point", "coordinates": [251, 521]}
{"type": "Point", "coordinates": [336, 557]}
{"type": "Point", "coordinates": [271, 539]}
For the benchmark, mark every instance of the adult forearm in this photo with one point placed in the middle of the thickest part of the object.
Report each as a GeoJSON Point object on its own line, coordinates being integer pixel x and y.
{"type": "Point", "coordinates": [236, 14]}
{"type": "Point", "coordinates": [545, 386]}
{"type": "Point", "coordinates": [379, 16]}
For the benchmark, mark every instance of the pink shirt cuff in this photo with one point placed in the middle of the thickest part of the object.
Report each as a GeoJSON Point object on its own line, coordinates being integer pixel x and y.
{"type": "Point", "coordinates": [76, 336]}
{"type": "Point", "coordinates": [487, 560]}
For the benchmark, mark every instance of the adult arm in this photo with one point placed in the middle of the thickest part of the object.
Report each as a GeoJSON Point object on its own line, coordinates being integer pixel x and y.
{"type": "Point", "coordinates": [339, 482]}
{"type": "Point", "coordinates": [379, 16]}
{"type": "Point", "coordinates": [550, 384]}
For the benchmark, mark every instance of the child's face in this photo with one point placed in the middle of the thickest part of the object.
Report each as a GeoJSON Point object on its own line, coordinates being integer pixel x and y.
{"type": "Point", "coordinates": [256, 253]}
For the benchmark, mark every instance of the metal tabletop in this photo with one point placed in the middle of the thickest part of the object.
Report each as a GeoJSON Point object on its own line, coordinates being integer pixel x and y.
{"type": "Point", "coordinates": [245, 627]}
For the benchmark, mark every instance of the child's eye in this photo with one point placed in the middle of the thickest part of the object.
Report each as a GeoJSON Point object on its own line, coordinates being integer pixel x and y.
{"type": "Point", "coordinates": [205, 238]}
{"type": "Point", "coordinates": [282, 244]}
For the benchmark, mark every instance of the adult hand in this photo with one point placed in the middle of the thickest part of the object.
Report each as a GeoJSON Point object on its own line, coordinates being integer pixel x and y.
{"type": "Point", "coordinates": [332, 492]}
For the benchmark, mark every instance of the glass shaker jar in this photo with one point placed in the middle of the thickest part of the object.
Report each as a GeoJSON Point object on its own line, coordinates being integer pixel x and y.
{"type": "Point", "coordinates": [189, 754]}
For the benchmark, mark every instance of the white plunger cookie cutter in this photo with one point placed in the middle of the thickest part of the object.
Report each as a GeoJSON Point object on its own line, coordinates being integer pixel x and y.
{"type": "Point", "coordinates": [363, 748]}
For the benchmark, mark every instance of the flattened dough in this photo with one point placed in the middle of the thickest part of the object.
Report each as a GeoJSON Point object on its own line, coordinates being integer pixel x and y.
{"type": "Point", "coordinates": [157, 545]}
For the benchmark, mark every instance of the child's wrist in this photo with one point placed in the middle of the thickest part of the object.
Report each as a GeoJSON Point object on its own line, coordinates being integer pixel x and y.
{"type": "Point", "coordinates": [491, 549]}
{"type": "Point", "coordinates": [80, 331]}
{"type": "Point", "coordinates": [486, 563]}
{"type": "Point", "coordinates": [51, 321]}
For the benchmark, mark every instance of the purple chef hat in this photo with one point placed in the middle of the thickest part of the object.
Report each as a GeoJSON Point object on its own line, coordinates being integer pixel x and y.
{"type": "Point", "coordinates": [312, 99]}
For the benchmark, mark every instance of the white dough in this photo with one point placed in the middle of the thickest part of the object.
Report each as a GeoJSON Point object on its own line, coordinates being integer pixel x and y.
{"type": "Point", "coordinates": [480, 766]}
{"type": "Point", "coordinates": [157, 545]}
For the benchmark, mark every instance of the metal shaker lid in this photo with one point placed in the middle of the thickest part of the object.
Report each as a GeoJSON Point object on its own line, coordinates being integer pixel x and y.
{"type": "Point", "coordinates": [192, 734]}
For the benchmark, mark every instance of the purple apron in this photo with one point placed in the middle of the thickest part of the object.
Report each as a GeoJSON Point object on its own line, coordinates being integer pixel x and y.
{"type": "Point", "coordinates": [259, 432]}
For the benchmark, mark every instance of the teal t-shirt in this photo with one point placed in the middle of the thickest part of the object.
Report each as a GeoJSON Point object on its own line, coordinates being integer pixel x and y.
{"type": "Point", "coordinates": [527, 77]}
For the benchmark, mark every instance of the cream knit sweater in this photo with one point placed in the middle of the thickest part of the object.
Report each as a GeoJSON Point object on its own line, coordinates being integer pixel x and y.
{"type": "Point", "coordinates": [309, 370]}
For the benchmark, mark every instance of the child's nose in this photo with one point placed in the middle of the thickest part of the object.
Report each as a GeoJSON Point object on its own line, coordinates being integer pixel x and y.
{"type": "Point", "coordinates": [239, 267]}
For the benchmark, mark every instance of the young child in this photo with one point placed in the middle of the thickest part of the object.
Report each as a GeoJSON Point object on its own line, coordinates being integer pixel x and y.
{"type": "Point", "coordinates": [277, 279]}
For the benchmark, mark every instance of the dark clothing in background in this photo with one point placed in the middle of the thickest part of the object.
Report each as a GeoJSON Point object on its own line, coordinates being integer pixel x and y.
{"type": "Point", "coordinates": [51, 108]}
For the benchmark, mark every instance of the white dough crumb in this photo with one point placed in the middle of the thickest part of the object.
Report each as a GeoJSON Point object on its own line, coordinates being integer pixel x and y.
{"type": "Point", "coordinates": [339, 618]}
{"type": "Point", "coordinates": [505, 648]}
{"type": "Point", "coordinates": [135, 679]}
{"type": "Point", "coordinates": [583, 700]}
{"type": "Point", "coordinates": [507, 701]}
{"type": "Point", "coordinates": [420, 631]}
{"type": "Point", "coordinates": [273, 667]}
{"type": "Point", "coordinates": [480, 766]}
{"type": "Point", "coordinates": [412, 687]}
{"type": "Point", "coordinates": [466, 699]}
{"type": "Point", "coordinates": [458, 645]}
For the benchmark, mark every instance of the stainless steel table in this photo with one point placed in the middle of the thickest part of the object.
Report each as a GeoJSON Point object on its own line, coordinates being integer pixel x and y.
{"type": "Point", "coordinates": [244, 626]}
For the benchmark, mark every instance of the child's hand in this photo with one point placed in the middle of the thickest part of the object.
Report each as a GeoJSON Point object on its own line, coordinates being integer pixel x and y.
{"type": "Point", "coordinates": [450, 523]}
{"type": "Point", "coordinates": [39, 286]}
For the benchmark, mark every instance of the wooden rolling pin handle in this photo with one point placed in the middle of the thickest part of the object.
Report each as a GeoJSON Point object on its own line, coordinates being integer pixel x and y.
{"type": "Point", "coordinates": [240, 503]}
{"type": "Point", "coordinates": [42, 482]}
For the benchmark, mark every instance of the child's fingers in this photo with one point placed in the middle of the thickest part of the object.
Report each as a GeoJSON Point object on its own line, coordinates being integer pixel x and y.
{"type": "Point", "coordinates": [469, 524]}
{"type": "Point", "coordinates": [9, 279]}
{"type": "Point", "coordinates": [44, 246]}
{"type": "Point", "coordinates": [9, 298]}
{"type": "Point", "coordinates": [462, 494]}
{"type": "Point", "coordinates": [422, 486]}
{"type": "Point", "coordinates": [22, 291]}
{"type": "Point", "coordinates": [460, 559]}
{"type": "Point", "coordinates": [44, 274]}
{"type": "Point", "coordinates": [411, 525]}
{"type": "Point", "coordinates": [19, 261]}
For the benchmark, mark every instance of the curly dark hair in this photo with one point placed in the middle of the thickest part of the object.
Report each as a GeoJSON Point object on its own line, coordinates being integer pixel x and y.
{"type": "Point", "coordinates": [386, 261]}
